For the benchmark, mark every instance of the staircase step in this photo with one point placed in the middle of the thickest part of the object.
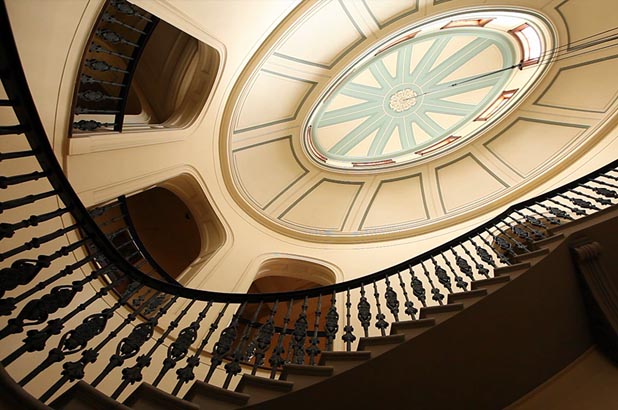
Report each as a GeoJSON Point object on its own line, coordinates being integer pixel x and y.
{"type": "Point", "coordinates": [261, 388]}
{"type": "Point", "coordinates": [441, 312]}
{"type": "Point", "coordinates": [517, 268]}
{"type": "Point", "coordinates": [412, 328]}
{"type": "Point", "coordinates": [82, 396]}
{"type": "Point", "coordinates": [490, 284]}
{"type": "Point", "coordinates": [468, 297]}
{"type": "Point", "coordinates": [305, 375]}
{"type": "Point", "coordinates": [550, 240]}
{"type": "Point", "coordinates": [209, 397]}
{"type": "Point", "coordinates": [380, 344]}
{"type": "Point", "coordinates": [148, 397]}
{"type": "Point", "coordinates": [343, 361]}
{"type": "Point", "coordinates": [533, 256]}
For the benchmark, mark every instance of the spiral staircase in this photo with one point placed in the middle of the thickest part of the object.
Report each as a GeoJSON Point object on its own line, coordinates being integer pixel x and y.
{"type": "Point", "coordinates": [475, 323]}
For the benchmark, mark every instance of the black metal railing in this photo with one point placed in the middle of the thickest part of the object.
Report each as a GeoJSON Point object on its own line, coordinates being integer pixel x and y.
{"type": "Point", "coordinates": [55, 296]}
{"type": "Point", "coordinates": [108, 65]}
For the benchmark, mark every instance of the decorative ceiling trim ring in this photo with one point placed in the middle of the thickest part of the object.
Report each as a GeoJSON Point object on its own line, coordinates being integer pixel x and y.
{"type": "Point", "coordinates": [392, 19]}
{"type": "Point", "coordinates": [368, 190]}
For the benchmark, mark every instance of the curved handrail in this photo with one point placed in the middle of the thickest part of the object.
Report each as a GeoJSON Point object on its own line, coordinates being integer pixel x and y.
{"type": "Point", "coordinates": [33, 129]}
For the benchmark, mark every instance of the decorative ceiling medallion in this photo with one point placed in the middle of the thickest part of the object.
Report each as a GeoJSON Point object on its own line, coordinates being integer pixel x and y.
{"type": "Point", "coordinates": [405, 98]}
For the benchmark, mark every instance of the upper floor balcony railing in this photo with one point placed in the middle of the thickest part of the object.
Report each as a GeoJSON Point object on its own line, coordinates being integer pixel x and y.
{"type": "Point", "coordinates": [54, 293]}
{"type": "Point", "coordinates": [108, 66]}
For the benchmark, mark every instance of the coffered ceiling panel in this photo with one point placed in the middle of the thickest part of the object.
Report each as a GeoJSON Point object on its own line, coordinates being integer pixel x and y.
{"type": "Point", "coordinates": [465, 181]}
{"type": "Point", "coordinates": [587, 17]}
{"type": "Point", "coordinates": [314, 44]}
{"type": "Point", "coordinates": [276, 160]}
{"type": "Point", "coordinates": [396, 202]}
{"type": "Point", "coordinates": [325, 206]}
{"type": "Point", "coordinates": [385, 12]}
{"type": "Point", "coordinates": [589, 86]}
{"type": "Point", "coordinates": [273, 98]}
{"type": "Point", "coordinates": [528, 143]}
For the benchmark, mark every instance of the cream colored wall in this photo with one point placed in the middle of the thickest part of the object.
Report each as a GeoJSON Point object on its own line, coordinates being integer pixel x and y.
{"type": "Point", "coordinates": [105, 166]}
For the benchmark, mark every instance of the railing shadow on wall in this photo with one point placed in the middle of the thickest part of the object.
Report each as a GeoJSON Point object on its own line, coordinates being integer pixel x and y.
{"type": "Point", "coordinates": [51, 290]}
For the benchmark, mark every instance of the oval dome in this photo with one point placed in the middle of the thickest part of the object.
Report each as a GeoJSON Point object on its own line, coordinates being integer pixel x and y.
{"type": "Point", "coordinates": [423, 90]}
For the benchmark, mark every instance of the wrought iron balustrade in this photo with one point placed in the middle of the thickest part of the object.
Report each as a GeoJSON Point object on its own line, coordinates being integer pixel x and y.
{"type": "Point", "coordinates": [108, 65]}
{"type": "Point", "coordinates": [54, 294]}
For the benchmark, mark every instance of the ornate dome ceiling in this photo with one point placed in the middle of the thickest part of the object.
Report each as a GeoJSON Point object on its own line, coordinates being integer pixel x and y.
{"type": "Point", "coordinates": [369, 120]}
{"type": "Point", "coordinates": [427, 88]}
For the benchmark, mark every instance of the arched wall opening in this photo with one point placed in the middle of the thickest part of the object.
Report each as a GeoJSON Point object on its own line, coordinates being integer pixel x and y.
{"type": "Point", "coordinates": [280, 275]}
{"type": "Point", "coordinates": [168, 230]}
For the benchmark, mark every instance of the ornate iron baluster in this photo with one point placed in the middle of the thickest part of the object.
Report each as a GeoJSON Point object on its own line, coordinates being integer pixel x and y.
{"type": "Point", "coordinates": [502, 244]}
{"type": "Point", "coordinates": [299, 335]}
{"type": "Point", "coordinates": [441, 275]}
{"type": "Point", "coordinates": [436, 294]}
{"type": "Point", "coordinates": [480, 268]}
{"type": "Point", "coordinates": [226, 340]}
{"type": "Point", "coordinates": [581, 203]}
{"type": "Point", "coordinates": [233, 367]}
{"type": "Point", "coordinates": [6, 182]}
{"type": "Point", "coordinates": [417, 287]}
{"type": "Point", "coordinates": [380, 317]}
{"type": "Point", "coordinates": [517, 243]}
{"type": "Point", "coordinates": [16, 154]}
{"type": "Point", "coordinates": [263, 338]}
{"type": "Point", "coordinates": [7, 230]}
{"type": "Point", "coordinates": [364, 312]}
{"type": "Point", "coordinates": [112, 37]}
{"type": "Point", "coordinates": [276, 359]}
{"type": "Point", "coordinates": [28, 199]}
{"type": "Point", "coordinates": [186, 374]}
{"type": "Point", "coordinates": [560, 213]}
{"type": "Point", "coordinates": [91, 125]}
{"type": "Point", "coordinates": [178, 349]}
{"type": "Point", "coordinates": [8, 305]}
{"type": "Point", "coordinates": [606, 192]}
{"type": "Point", "coordinates": [128, 347]}
{"type": "Point", "coordinates": [36, 340]}
{"type": "Point", "coordinates": [95, 48]}
{"type": "Point", "coordinates": [460, 282]}
{"type": "Point", "coordinates": [99, 65]}
{"type": "Point", "coordinates": [410, 309]}
{"type": "Point", "coordinates": [391, 299]}
{"type": "Point", "coordinates": [602, 201]}
{"type": "Point", "coordinates": [348, 335]}
{"type": "Point", "coordinates": [332, 323]}
{"type": "Point", "coordinates": [501, 256]}
{"type": "Point", "coordinates": [462, 263]}
{"type": "Point", "coordinates": [77, 339]}
{"type": "Point", "coordinates": [532, 222]}
{"type": "Point", "coordinates": [23, 271]}
{"type": "Point", "coordinates": [111, 19]}
{"type": "Point", "coordinates": [132, 344]}
{"type": "Point", "coordinates": [126, 8]}
{"type": "Point", "coordinates": [314, 348]}
{"type": "Point", "coordinates": [36, 242]}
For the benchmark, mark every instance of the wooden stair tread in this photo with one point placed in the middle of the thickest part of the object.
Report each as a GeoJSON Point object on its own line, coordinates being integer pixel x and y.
{"type": "Point", "coordinates": [306, 370]}
{"type": "Point", "coordinates": [531, 255]}
{"type": "Point", "coordinates": [412, 324]}
{"type": "Point", "coordinates": [216, 393]}
{"type": "Point", "coordinates": [380, 340]}
{"type": "Point", "coordinates": [358, 355]}
{"type": "Point", "coordinates": [15, 397]}
{"type": "Point", "coordinates": [477, 284]}
{"type": "Point", "coordinates": [83, 395]}
{"type": "Point", "coordinates": [146, 396]}
{"type": "Point", "coordinates": [503, 270]}
{"type": "Point", "coordinates": [449, 307]}
{"type": "Point", "coordinates": [475, 293]}
{"type": "Point", "coordinates": [549, 240]}
{"type": "Point", "coordinates": [263, 383]}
